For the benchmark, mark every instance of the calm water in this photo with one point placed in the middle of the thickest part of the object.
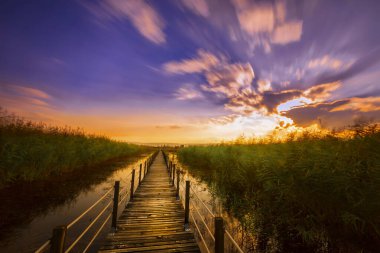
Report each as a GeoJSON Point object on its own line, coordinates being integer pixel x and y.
{"type": "Point", "coordinates": [202, 193]}
{"type": "Point", "coordinates": [69, 199]}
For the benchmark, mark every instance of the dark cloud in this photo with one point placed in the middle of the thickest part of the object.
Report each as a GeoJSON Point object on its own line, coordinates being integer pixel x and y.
{"type": "Point", "coordinates": [335, 114]}
{"type": "Point", "coordinates": [272, 99]}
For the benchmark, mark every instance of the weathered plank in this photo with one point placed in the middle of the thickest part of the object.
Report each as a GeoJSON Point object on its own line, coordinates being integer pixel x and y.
{"type": "Point", "coordinates": [153, 221]}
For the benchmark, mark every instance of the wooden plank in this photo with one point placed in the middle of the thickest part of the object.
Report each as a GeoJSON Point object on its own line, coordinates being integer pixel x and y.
{"type": "Point", "coordinates": [154, 220]}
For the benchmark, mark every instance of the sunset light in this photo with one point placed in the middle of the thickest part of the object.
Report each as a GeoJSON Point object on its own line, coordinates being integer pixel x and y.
{"type": "Point", "coordinates": [156, 72]}
{"type": "Point", "coordinates": [248, 126]}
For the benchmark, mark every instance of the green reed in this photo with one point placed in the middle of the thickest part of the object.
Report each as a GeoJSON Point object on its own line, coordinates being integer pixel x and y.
{"type": "Point", "coordinates": [311, 194]}
{"type": "Point", "coordinates": [31, 151]}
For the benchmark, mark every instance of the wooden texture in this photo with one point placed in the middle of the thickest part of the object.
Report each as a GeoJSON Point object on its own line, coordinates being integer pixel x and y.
{"type": "Point", "coordinates": [154, 220]}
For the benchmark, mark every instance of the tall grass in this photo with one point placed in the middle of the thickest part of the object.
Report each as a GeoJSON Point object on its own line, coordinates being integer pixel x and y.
{"type": "Point", "coordinates": [307, 194]}
{"type": "Point", "coordinates": [31, 151]}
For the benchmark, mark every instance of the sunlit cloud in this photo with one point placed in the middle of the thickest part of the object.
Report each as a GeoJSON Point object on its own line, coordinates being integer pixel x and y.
{"type": "Point", "coordinates": [230, 79]}
{"type": "Point", "coordinates": [267, 23]}
{"type": "Point", "coordinates": [263, 85]}
{"type": "Point", "coordinates": [326, 61]}
{"type": "Point", "coordinates": [322, 91]}
{"type": "Point", "coordinates": [367, 104]}
{"type": "Point", "coordinates": [255, 18]}
{"type": "Point", "coordinates": [287, 32]}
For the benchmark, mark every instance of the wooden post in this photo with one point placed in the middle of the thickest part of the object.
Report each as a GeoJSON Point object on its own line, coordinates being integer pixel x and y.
{"type": "Point", "coordinates": [145, 167]}
{"type": "Point", "coordinates": [219, 234]}
{"type": "Point", "coordinates": [140, 174]}
{"type": "Point", "coordinates": [58, 240]}
{"type": "Point", "coordinates": [177, 192]}
{"type": "Point", "coordinates": [173, 174]}
{"type": "Point", "coordinates": [115, 203]}
{"type": "Point", "coordinates": [132, 183]}
{"type": "Point", "coordinates": [170, 166]}
{"type": "Point", "coordinates": [187, 203]}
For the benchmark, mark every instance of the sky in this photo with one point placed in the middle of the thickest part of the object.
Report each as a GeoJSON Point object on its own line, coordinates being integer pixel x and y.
{"type": "Point", "coordinates": [181, 71]}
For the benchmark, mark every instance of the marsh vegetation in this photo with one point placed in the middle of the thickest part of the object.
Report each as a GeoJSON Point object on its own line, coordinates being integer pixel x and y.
{"type": "Point", "coordinates": [33, 151]}
{"type": "Point", "coordinates": [307, 192]}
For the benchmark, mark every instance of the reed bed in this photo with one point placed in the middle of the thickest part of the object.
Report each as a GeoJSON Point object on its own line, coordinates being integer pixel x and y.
{"type": "Point", "coordinates": [31, 151]}
{"type": "Point", "coordinates": [311, 193]}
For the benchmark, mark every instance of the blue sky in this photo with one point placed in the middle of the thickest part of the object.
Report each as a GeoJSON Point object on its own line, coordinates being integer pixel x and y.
{"type": "Point", "coordinates": [190, 71]}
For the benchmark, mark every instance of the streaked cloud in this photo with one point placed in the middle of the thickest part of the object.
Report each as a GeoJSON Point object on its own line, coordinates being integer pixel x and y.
{"type": "Point", "coordinates": [322, 91]}
{"type": "Point", "coordinates": [188, 92]}
{"type": "Point", "coordinates": [203, 62]}
{"type": "Point", "coordinates": [255, 18]}
{"type": "Point", "coordinates": [263, 85]}
{"type": "Point", "coordinates": [229, 79]}
{"type": "Point", "coordinates": [266, 23]}
{"type": "Point", "coordinates": [29, 92]}
{"type": "Point", "coordinates": [140, 13]}
{"type": "Point", "coordinates": [287, 32]}
{"type": "Point", "coordinates": [367, 104]}
{"type": "Point", "coordinates": [199, 7]}
{"type": "Point", "coordinates": [325, 61]}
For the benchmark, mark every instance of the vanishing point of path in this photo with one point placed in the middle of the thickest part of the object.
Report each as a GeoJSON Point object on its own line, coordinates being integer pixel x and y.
{"type": "Point", "coordinates": [154, 220]}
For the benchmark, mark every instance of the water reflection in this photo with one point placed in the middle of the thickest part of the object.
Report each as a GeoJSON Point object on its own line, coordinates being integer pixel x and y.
{"type": "Point", "coordinates": [203, 197]}
{"type": "Point", "coordinates": [30, 211]}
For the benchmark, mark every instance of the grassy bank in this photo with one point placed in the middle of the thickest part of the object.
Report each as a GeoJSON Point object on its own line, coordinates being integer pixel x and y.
{"type": "Point", "coordinates": [311, 194]}
{"type": "Point", "coordinates": [30, 151]}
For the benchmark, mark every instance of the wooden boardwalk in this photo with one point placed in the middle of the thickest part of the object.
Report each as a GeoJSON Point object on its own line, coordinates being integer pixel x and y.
{"type": "Point", "coordinates": [153, 221]}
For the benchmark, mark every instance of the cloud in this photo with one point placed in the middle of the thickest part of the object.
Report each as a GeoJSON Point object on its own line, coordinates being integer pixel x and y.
{"type": "Point", "coordinates": [188, 92]}
{"type": "Point", "coordinates": [142, 15]}
{"type": "Point", "coordinates": [287, 32]}
{"type": "Point", "coordinates": [255, 18]}
{"type": "Point", "coordinates": [169, 127]}
{"type": "Point", "coordinates": [263, 85]}
{"type": "Point", "coordinates": [230, 79]}
{"type": "Point", "coordinates": [363, 63]}
{"type": "Point", "coordinates": [266, 23]}
{"type": "Point", "coordinates": [203, 62]}
{"type": "Point", "coordinates": [29, 92]}
{"type": "Point", "coordinates": [199, 7]}
{"type": "Point", "coordinates": [27, 101]}
{"type": "Point", "coordinates": [234, 86]}
{"type": "Point", "coordinates": [337, 113]}
{"type": "Point", "coordinates": [325, 61]}
{"type": "Point", "coordinates": [367, 104]}
{"type": "Point", "coordinates": [272, 99]}
{"type": "Point", "coordinates": [322, 91]}
{"type": "Point", "coordinates": [223, 120]}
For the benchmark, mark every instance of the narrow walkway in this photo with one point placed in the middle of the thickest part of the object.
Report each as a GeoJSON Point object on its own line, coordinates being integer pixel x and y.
{"type": "Point", "coordinates": [153, 220]}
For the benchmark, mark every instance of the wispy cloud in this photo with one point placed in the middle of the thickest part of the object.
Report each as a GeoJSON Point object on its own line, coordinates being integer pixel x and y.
{"type": "Point", "coordinates": [325, 62]}
{"type": "Point", "coordinates": [203, 62]}
{"type": "Point", "coordinates": [27, 101]}
{"type": "Point", "coordinates": [199, 7]}
{"type": "Point", "coordinates": [140, 13]}
{"type": "Point", "coordinates": [188, 92]}
{"type": "Point", "coordinates": [29, 92]}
